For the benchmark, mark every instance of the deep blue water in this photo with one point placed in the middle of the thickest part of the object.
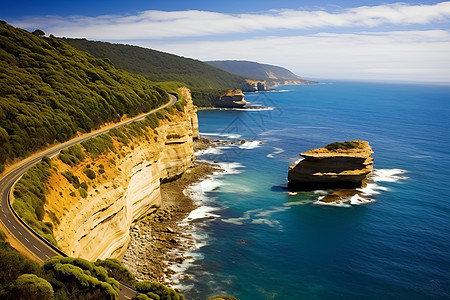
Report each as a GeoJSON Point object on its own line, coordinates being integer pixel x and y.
{"type": "Point", "coordinates": [267, 244]}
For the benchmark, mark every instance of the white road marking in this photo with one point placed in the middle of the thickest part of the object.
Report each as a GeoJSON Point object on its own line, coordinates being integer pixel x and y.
{"type": "Point", "coordinates": [19, 232]}
{"type": "Point", "coordinates": [47, 256]}
{"type": "Point", "coordinates": [127, 297]}
{"type": "Point", "coordinates": [27, 240]}
{"type": "Point", "coordinates": [37, 248]}
{"type": "Point", "coordinates": [9, 221]}
{"type": "Point", "coordinates": [14, 227]}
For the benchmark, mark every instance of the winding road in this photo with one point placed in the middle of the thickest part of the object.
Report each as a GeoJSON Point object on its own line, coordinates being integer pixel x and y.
{"type": "Point", "coordinates": [29, 239]}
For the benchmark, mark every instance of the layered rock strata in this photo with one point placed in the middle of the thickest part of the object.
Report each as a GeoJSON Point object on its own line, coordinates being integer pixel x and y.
{"type": "Point", "coordinates": [231, 99]}
{"type": "Point", "coordinates": [98, 226]}
{"type": "Point", "coordinates": [337, 165]}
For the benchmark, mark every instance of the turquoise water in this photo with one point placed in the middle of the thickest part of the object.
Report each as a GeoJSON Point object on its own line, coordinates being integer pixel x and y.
{"type": "Point", "coordinates": [262, 243]}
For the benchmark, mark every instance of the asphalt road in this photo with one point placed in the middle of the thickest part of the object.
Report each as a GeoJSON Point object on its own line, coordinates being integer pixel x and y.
{"type": "Point", "coordinates": [35, 244]}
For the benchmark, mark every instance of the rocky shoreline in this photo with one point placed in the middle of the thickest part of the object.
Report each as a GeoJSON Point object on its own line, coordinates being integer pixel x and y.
{"type": "Point", "coordinates": [158, 241]}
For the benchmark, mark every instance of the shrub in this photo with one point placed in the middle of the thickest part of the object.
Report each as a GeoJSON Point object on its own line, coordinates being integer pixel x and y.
{"type": "Point", "coordinates": [89, 173]}
{"type": "Point", "coordinates": [73, 179]}
{"type": "Point", "coordinates": [343, 146]}
{"type": "Point", "coordinates": [82, 192]}
{"type": "Point", "coordinates": [47, 160]}
{"type": "Point", "coordinates": [84, 185]}
{"type": "Point", "coordinates": [98, 145]}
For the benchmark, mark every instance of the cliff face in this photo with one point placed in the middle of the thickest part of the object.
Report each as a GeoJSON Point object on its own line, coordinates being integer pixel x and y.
{"type": "Point", "coordinates": [338, 165]}
{"type": "Point", "coordinates": [97, 226]}
{"type": "Point", "coordinates": [231, 99]}
{"type": "Point", "coordinates": [265, 85]}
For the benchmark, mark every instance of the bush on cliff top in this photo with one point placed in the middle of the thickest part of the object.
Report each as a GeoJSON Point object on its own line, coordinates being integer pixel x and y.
{"type": "Point", "coordinates": [342, 146]}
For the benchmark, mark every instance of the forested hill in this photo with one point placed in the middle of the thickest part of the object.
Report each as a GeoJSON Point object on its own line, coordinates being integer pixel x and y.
{"type": "Point", "coordinates": [254, 70]}
{"type": "Point", "coordinates": [160, 66]}
{"type": "Point", "coordinates": [50, 90]}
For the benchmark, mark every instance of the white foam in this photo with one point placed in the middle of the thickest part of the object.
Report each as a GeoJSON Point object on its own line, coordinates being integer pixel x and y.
{"type": "Point", "coordinates": [248, 145]}
{"type": "Point", "coordinates": [276, 151]}
{"type": "Point", "coordinates": [389, 175]}
{"type": "Point", "coordinates": [337, 203]}
{"type": "Point", "coordinates": [202, 212]}
{"type": "Point", "coordinates": [358, 200]}
{"type": "Point", "coordinates": [230, 167]}
{"type": "Point", "coordinates": [209, 151]}
{"type": "Point", "coordinates": [252, 108]}
{"type": "Point", "coordinates": [372, 189]}
{"type": "Point", "coordinates": [225, 135]}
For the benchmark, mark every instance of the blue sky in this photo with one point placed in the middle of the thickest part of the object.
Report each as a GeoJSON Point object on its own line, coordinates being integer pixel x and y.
{"type": "Point", "coordinates": [371, 40]}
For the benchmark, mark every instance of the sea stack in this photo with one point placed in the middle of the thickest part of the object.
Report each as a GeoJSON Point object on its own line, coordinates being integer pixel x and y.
{"type": "Point", "coordinates": [337, 165]}
{"type": "Point", "coordinates": [231, 99]}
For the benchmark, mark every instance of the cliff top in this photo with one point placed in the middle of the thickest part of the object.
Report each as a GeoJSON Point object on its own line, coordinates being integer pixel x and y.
{"type": "Point", "coordinates": [233, 93]}
{"type": "Point", "coordinates": [355, 148]}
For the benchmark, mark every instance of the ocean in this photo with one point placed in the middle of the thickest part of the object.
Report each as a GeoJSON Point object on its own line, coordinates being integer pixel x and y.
{"type": "Point", "coordinates": [254, 240]}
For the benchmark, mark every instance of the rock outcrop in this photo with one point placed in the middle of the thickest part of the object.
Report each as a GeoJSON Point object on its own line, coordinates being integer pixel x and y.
{"type": "Point", "coordinates": [98, 226]}
{"type": "Point", "coordinates": [231, 99]}
{"type": "Point", "coordinates": [337, 165]}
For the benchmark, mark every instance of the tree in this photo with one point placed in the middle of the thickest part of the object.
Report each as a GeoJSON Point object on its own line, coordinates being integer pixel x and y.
{"type": "Point", "coordinates": [38, 33]}
{"type": "Point", "coordinates": [32, 287]}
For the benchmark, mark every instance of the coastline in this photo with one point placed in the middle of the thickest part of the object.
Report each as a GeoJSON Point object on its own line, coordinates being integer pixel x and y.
{"type": "Point", "coordinates": [159, 241]}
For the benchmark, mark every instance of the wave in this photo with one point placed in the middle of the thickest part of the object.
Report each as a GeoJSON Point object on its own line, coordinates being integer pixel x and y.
{"type": "Point", "coordinates": [367, 193]}
{"type": "Point", "coordinates": [225, 135]}
{"type": "Point", "coordinates": [277, 151]}
{"type": "Point", "coordinates": [209, 151]}
{"type": "Point", "coordinates": [389, 175]}
{"type": "Point", "coordinates": [251, 108]}
{"type": "Point", "coordinates": [248, 145]}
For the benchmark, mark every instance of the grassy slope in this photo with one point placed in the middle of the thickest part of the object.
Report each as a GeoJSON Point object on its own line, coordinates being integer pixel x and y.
{"type": "Point", "coordinates": [160, 66]}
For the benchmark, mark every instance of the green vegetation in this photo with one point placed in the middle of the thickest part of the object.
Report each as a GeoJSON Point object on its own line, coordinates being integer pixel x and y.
{"type": "Point", "coordinates": [50, 90]}
{"type": "Point", "coordinates": [69, 278]}
{"type": "Point", "coordinates": [160, 66]}
{"type": "Point", "coordinates": [89, 173]}
{"type": "Point", "coordinates": [342, 146]}
{"type": "Point", "coordinates": [98, 145]}
{"type": "Point", "coordinates": [73, 179]}
{"type": "Point", "coordinates": [205, 97]}
{"type": "Point", "coordinates": [154, 290]}
{"type": "Point", "coordinates": [29, 199]}
{"type": "Point", "coordinates": [71, 156]}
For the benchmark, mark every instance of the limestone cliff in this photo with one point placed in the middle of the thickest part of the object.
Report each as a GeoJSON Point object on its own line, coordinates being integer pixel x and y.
{"type": "Point", "coordinates": [337, 165]}
{"type": "Point", "coordinates": [127, 186]}
{"type": "Point", "coordinates": [231, 99]}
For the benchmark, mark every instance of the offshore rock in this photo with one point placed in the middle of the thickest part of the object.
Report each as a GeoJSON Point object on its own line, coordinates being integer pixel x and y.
{"type": "Point", "coordinates": [337, 165]}
{"type": "Point", "coordinates": [231, 99]}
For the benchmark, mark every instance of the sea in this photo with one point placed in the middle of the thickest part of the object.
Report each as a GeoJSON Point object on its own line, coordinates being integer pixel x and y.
{"type": "Point", "coordinates": [254, 239]}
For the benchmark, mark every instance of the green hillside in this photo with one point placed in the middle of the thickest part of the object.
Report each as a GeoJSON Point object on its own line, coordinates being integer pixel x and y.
{"type": "Point", "coordinates": [50, 90]}
{"type": "Point", "coordinates": [160, 66]}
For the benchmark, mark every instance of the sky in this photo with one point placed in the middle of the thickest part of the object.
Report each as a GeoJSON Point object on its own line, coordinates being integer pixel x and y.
{"type": "Point", "coordinates": [364, 40]}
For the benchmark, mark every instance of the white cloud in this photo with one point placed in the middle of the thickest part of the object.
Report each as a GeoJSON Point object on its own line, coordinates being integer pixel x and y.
{"type": "Point", "coordinates": [161, 24]}
{"type": "Point", "coordinates": [413, 55]}
{"type": "Point", "coordinates": [416, 54]}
